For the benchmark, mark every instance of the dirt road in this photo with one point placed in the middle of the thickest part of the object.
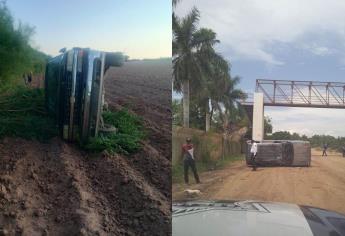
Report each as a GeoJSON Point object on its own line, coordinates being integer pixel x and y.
{"type": "Point", "coordinates": [321, 185]}
{"type": "Point", "coordinates": [55, 188]}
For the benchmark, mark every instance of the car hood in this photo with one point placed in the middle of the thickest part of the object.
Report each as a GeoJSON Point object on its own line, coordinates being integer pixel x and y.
{"type": "Point", "coordinates": [253, 218]}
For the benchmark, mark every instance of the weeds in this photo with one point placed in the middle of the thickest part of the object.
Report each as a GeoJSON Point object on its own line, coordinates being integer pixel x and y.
{"type": "Point", "coordinates": [22, 114]}
{"type": "Point", "coordinates": [127, 138]}
{"type": "Point", "coordinates": [177, 169]}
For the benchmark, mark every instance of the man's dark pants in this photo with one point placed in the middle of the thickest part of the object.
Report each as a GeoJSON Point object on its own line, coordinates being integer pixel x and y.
{"type": "Point", "coordinates": [324, 153]}
{"type": "Point", "coordinates": [252, 157]}
{"type": "Point", "coordinates": [189, 162]}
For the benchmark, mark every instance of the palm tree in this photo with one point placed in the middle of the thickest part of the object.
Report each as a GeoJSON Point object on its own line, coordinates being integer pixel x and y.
{"type": "Point", "coordinates": [186, 67]}
{"type": "Point", "coordinates": [194, 57]}
{"type": "Point", "coordinates": [197, 65]}
{"type": "Point", "coordinates": [231, 98]}
{"type": "Point", "coordinates": [174, 2]}
{"type": "Point", "coordinates": [216, 86]}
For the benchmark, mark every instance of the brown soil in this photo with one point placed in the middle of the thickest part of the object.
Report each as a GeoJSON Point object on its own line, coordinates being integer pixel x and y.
{"type": "Point", "coordinates": [57, 189]}
{"type": "Point", "coordinates": [321, 185]}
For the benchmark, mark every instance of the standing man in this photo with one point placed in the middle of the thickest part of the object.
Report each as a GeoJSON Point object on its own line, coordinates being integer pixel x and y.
{"type": "Point", "coordinates": [188, 160]}
{"type": "Point", "coordinates": [343, 149]}
{"type": "Point", "coordinates": [30, 78]}
{"type": "Point", "coordinates": [253, 152]}
{"type": "Point", "coordinates": [325, 146]}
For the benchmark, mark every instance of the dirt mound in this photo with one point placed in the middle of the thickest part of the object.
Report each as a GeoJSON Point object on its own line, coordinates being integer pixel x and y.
{"type": "Point", "coordinates": [57, 189]}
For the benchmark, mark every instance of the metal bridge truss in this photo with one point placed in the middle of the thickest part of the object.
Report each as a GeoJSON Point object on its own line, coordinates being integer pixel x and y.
{"type": "Point", "coordinates": [302, 93]}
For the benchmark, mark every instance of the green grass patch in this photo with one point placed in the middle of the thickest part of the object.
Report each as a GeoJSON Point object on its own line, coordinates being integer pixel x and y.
{"type": "Point", "coordinates": [126, 140]}
{"type": "Point", "coordinates": [177, 169]}
{"type": "Point", "coordinates": [22, 114]}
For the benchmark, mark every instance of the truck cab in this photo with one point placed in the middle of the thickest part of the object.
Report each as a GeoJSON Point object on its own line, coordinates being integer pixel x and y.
{"type": "Point", "coordinates": [75, 91]}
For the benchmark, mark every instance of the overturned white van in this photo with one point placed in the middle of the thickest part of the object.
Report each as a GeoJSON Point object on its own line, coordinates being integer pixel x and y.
{"type": "Point", "coordinates": [281, 153]}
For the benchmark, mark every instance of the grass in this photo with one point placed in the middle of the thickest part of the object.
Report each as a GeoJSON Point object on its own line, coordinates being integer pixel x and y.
{"type": "Point", "coordinates": [126, 140]}
{"type": "Point", "coordinates": [22, 114]}
{"type": "Point", "coordinates": [177, 169]}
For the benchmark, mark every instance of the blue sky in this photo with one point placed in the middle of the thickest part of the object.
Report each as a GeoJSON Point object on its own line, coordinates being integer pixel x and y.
{"type": "Point", "coordinates": [141, 29]}
{"type": "Point", "coordinates": [282, 39]}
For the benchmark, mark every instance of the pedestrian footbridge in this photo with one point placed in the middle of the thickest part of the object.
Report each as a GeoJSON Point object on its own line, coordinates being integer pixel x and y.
{"type": "Point", "coordinates": [289, 93]}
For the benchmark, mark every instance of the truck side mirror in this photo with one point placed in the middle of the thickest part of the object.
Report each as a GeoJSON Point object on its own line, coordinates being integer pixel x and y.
{"type": "Point", "coordinates": [62, 50]}
{"type": "Point", "coordinates": [113, 59]}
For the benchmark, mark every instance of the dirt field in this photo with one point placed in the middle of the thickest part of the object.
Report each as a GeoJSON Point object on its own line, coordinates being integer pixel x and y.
{"type": "Point", "coordinates": [57, 189]}
{"type": "Point", "coordinates": [321, 185]}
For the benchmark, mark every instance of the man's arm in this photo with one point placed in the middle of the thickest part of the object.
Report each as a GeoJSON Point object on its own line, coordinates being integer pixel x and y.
{"type": "Point", "coordinates": [182, 150]}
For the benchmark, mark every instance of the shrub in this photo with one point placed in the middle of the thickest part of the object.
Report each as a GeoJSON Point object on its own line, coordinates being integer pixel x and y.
{"type": "Point", "coordinates": [22, 114]}
{"type": "Point", "coordinates": [127, 138]}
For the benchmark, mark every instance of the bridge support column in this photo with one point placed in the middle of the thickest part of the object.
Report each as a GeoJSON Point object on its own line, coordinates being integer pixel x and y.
{"type": "Point", "coordinates": [258, 117]}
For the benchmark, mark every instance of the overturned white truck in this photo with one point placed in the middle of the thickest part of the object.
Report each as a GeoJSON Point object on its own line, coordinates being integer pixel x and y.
{"type": "Point", "coordinates": [281, 153]}
{"type": "Point", "coordinates": [75, 91]}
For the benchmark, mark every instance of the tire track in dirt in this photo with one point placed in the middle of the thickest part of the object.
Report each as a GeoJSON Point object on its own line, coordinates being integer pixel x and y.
{"type": "Point", "coordinates": [40, 194]}
{"type": "Point", "coordinates": [149, 162]}
{"type": "Point", "coordinates": [94, 211]}
{"type": "Point", "coordinates": [57, 189]}
{"type": "Point", "coordinates": [135, 203]}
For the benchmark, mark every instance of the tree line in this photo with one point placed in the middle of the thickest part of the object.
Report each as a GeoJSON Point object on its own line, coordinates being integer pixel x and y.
{"type": "Point", "coordinates": [335, 143]}
{"type": "Point", "coordinates": [17, 56]}
{"type": "Point", "coordinates": [210, 97]}
{"type": "Point", "coordinates": [316, 140]}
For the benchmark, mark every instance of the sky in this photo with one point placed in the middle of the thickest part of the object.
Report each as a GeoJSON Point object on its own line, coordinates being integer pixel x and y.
{"type": "Point", "coordinates": [282, 40]}
{"type": "Point", "coordinates": [140, 29]}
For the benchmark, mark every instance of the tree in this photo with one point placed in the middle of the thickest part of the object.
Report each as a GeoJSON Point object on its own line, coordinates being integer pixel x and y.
{"type": "Point", "coordinates": [16, 54]}
{"type": "Point", "coordinates": [280, 135]}
{"type": "Point", "coordinates": [177, 112]}
{"type": "Point", "coordinates": [187, 58]}
{"type": "Point", "coordinates": [215, 71]}
{"type": "Point", "coordinates": [200, 72]}
{"type": "Point", "coordinates": [174, 2]}
{"type": "Point", "coordinates": [268, 128]}
{"type": "Point", "coordinates": [225, 98]}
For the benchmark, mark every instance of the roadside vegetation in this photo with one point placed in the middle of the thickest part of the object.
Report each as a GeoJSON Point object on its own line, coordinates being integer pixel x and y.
{"type": "Point", "coordinates": [127, 138]}
{"type": "Point", "coordinates": [22, 114]}
{"type": "Point", "coordinates": [17, 56]}
{"type": "Point", "coordinates": [178, 174]}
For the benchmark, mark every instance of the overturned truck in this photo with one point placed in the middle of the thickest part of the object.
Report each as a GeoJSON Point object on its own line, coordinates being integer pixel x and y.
{"type": "Point", "coordinates": [74, 91]}
{"type": "Point", "coordinates": [281, 153]}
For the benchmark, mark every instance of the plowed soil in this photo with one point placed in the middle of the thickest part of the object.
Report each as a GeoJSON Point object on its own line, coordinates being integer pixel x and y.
{"type": "Point", "coordinates": [321, 185]}
{"type": "Point", "coordinates": [55, 188]}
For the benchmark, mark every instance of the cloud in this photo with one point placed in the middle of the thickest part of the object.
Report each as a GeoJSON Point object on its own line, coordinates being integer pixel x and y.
{"type": "Point", "coordinates": [321, 51]}
{"type": "Point", "coordinates": [249, 27]}
{"type": "Point", "coordinates": [318, 50]}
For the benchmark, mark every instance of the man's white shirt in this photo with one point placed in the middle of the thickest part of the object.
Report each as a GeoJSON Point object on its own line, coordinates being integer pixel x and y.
{"type": "Point", "coordinates": [191, 151]}
{"type": "Point", "coordinates": [254, 148]}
